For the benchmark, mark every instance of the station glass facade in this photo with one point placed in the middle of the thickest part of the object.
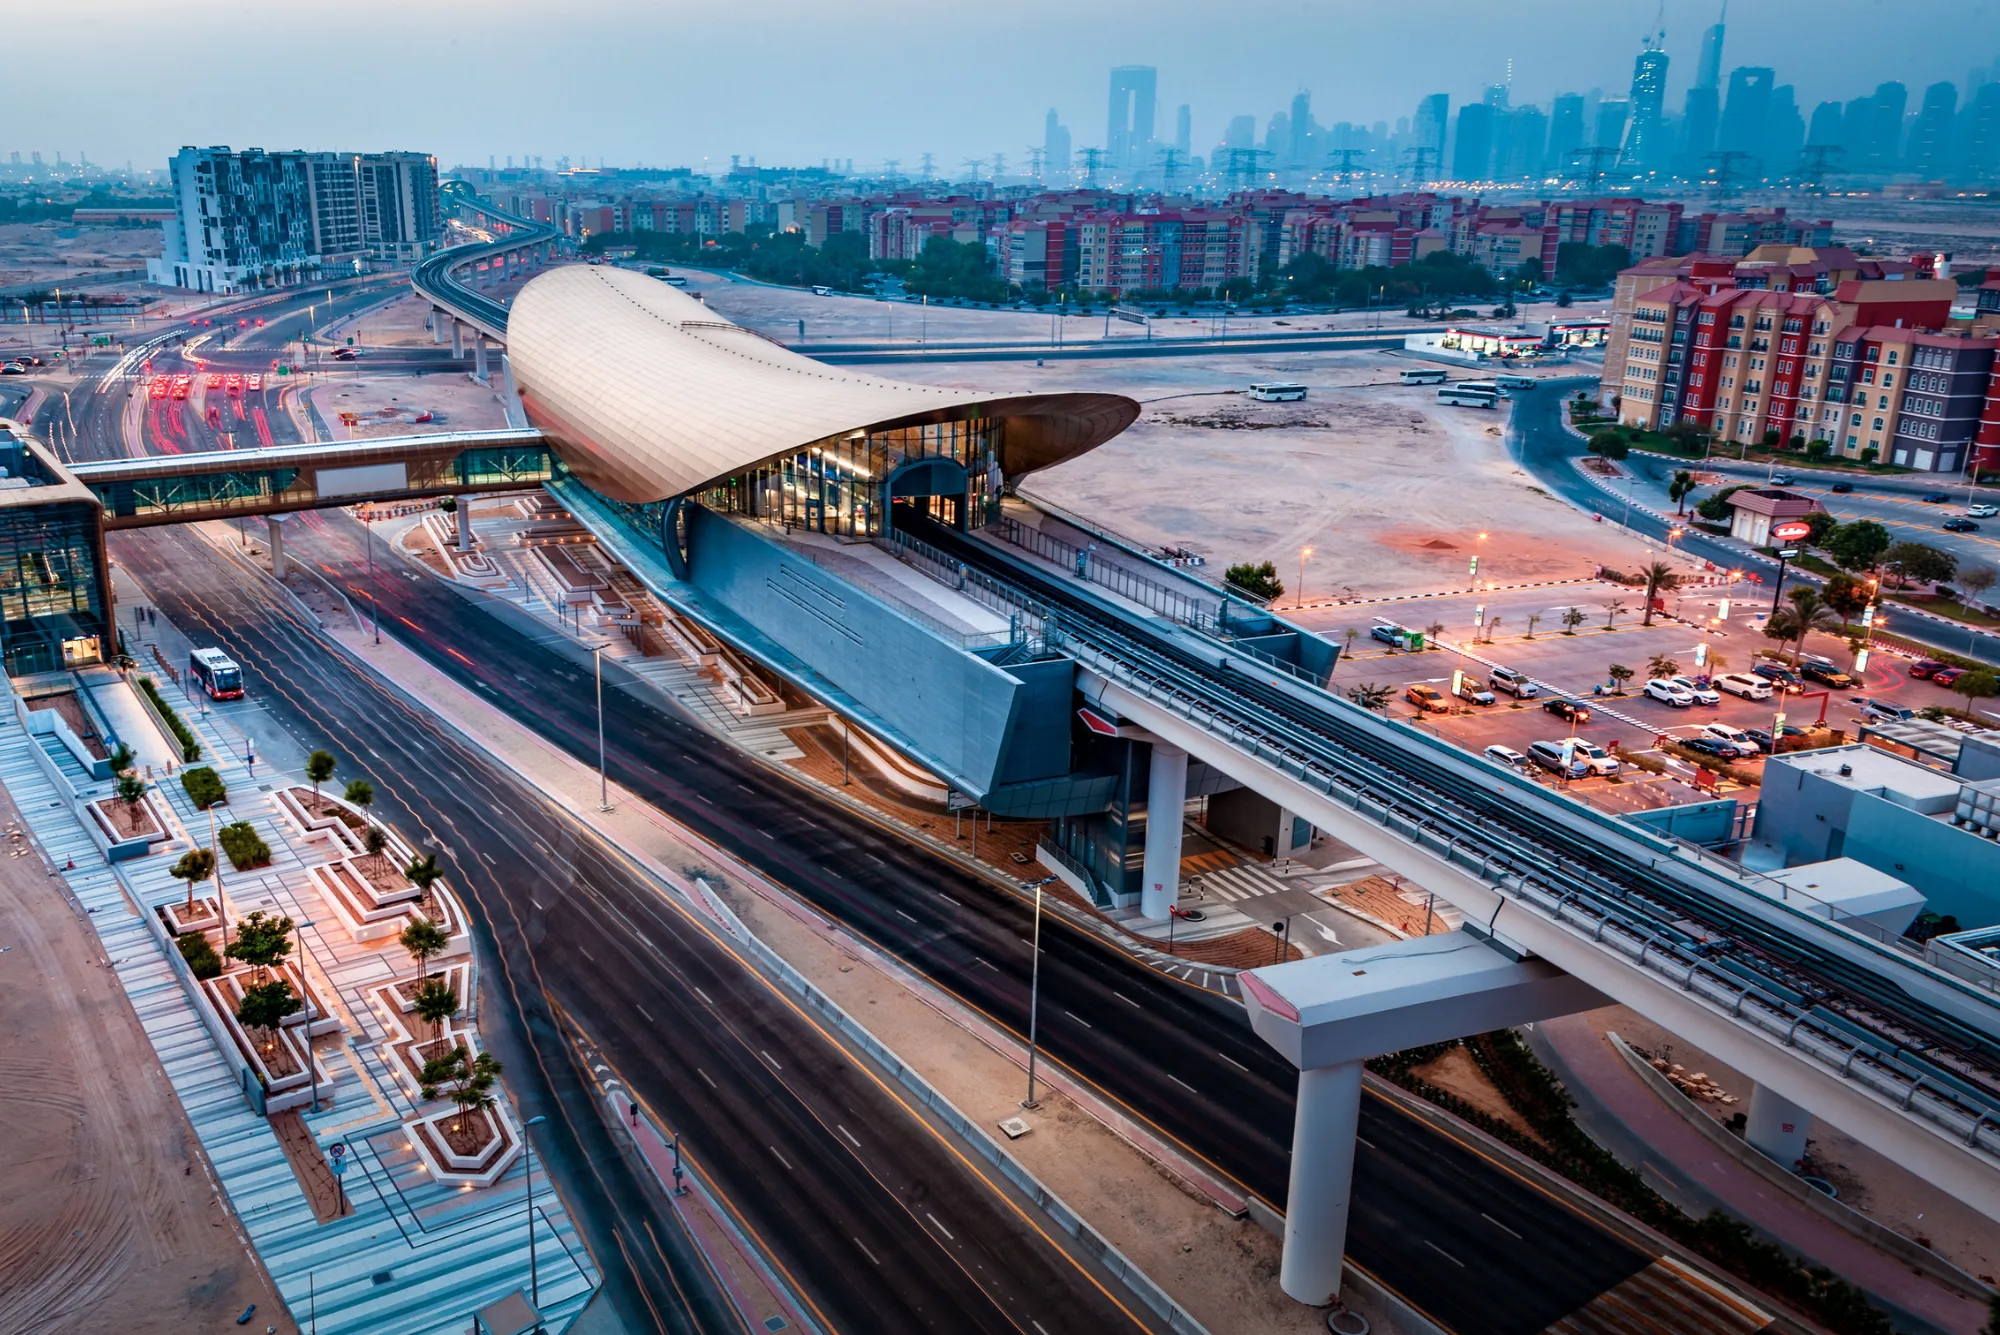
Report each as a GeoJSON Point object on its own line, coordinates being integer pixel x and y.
{"type": "Point", "coordinates": [52, 612]}
{"type": "Point", "coordinates": [843, 485]}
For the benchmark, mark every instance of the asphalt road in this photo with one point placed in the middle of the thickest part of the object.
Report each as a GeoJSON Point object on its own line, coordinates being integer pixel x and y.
{"type": "Point", "coordinates": [1538, 440]}
{"type": "Point", "coordinates": [1181, 1058]}
{"type": "Point", "coordinates": [868, 1208]}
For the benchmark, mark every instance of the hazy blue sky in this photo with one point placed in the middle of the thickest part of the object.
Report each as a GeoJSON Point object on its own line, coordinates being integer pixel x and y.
{"type": "Point", "coordinates": [789, 81]}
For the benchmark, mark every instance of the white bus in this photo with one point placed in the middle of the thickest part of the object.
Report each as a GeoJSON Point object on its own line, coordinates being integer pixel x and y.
{"type": "Point", "coordinates": [1468, 396]}
{"type": "Point", "coordinates": [1427, 376]}
{"type": "Point", "coordinates": [1277, 391]}
{"type": "Point", "coordinates": [217, 673]}
{"type": "Point", "coordinates": [1514, 382]}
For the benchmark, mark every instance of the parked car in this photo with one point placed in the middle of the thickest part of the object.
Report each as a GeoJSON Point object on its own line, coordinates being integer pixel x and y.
{"type": "Point", "coordinates": [1559, 758]}
{"type": "Point", "coordinates": [1762, 736]}
{"type": "Point", "coordinates": [13, 368]}
{"type": "Point", "coordinates": [1982, 511]}
{"type": "Point", "coordinates": [1935, 498]}
{"type": "Point", "coordinates": [1513, 683]}
{"type": "Point", "coordinates": [1472, 692]}
{"type": "Point", "coordinates": [1711, 746]}
{"type": "Point", "coordinates": [1670, 692]}
{"type": "Point", "coordinates": [1924, 668]}
{"type": "Point", "coordinates": [1703, 695]}
{"type": "Point", "coordinates": [1946, 676]}
{"type": "Point", "coordinates": [1427, 699]}
{"type": "Point", "coordinates": [1746, 684]}
{"type": "Point", "coordinates": [345, 354]}
{"type": "Point", "coordinates": [1880, 709]}
{"type": "Point", "coordinates": [1573, 710]}
{"type": "Point", "coordinates": [1959, 526]}
{"type": "Point", "coordinates": [1505, 755]}
{"type": "Point", "coordinates": [1729, 732]}
{"type": "Point", "coordinates": [1595, 758]}
{"type": "Point", "coordinates": [1781, 677]}
{"type": "Point", "coordinates": [1826, 674]}
{"type": "Point", "coordinates": [1842, 488]}
{"type": "Point", "coordinates": [1389, 633]}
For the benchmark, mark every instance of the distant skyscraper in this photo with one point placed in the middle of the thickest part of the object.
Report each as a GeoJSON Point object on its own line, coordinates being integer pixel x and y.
{"type": "Point", "coordinates": [1184, 129]}
{"type": "Point", "coordinates": [1645, 142]}
{"type": "Point", "coordinates": [1528, 144]}
{"type": "Point", "coordinates": [1472, 152]}
{"type": "Point", "coordinates": [1300, 145]}
{"type": "Point", "coordinates": [1130, 130]}
{"type": "Point", "coordinates": [1982, 135]}
{"type": "Point", "coordinates": [1240, 133]}
{"type": "Point", "coordinates": [1055, 142]}
{"type": "Point", "coordinates": [1747, 112]}
{"type": "Point", "coordinates": [1496, 96]}
{"type": "Point", "coordinates": [1825, 124]}
{"type": "Point", "coordinates": [1611, 114]}
{"type": "Point", "coordinates": [1930, 139]}
{"type": "Point", "coordinates": [1700, 114]}
{"type": "Point", "coordinates": [1885, 139]}
{"type": "Point", "coordinates": [1428, 125]}
{"type": "Point", "coordinates": [1857, 124]}
{"type": "Point", "coordinates": [1708, 73]}
{"type": "Point", "coordinates": [1784, 132]}
{"type": "Point", "coordinates": [1278, 138]}
{"type": "Point", "coordinates": [1565, 129]}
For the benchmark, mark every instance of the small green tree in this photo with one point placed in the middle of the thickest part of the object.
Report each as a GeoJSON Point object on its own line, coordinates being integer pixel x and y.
{"type": "Point", "coordinates": [1660, 578]}
{"type": "Point", "coordinates": [1819, 523]}
{"type": "Point", "coordinates": [121, 759]}
{"type": "Point", "coordinates": [131, 788]}
{"type": "Point", "coordinates": [1611, 611]}
{"type": "Point", "coordinates": [1609, 445]}
{"type": "Point", "coordinates": [424, 940]}
{"type": "Point", "coordinates": [436, 1001]}
{"type": "Point", "coordinates": [1980, 685]}
{"type": "Point", "coordinates": [1679, 489]}
{"type": "Point", "coordinates": [1976, 581]}
{"type": "Point", "coordinates": [1716, 508]}
{"type": "Point", "coordinates": [424, 873]}
{"type": "Point", "coordinates": [261, 941]}
{"type": "Point", "coordinates": [1818, 449]}
{"type": "Point", "coordinates": [362, 794]}
{"type": "Point", "coordinates": [1260, 580]}
{"type": "Point", "coordinates": [464, 1079]}
{"type": "Point", "coordinates": [374, 839]}
{"type": "Point", "coordinates": [1857, 546]}
{"type": "Point", "coordinates": [1621, 674]}
{"type": "Point", "coordinates": [195, 865]}
{"type": "Point", "coordinates": [1659, 665]}
{"type": "Point", "coordinates": [1572, 618]}
{"type": "Point", "coordinates": [1534, 619]}
{"type": "Point", "coordinates": [1846, 595]}
{"type": "Point", "coordinates": [265, 1006]}
{"type": "Point", "coordinates": [1371, 696]}
{"type": "Point", "coordinates": [319, 768]}
{"type": "Point", "coordinates": [1809, 613]}
{"type": "Point", "coordinates": [1920, 562]}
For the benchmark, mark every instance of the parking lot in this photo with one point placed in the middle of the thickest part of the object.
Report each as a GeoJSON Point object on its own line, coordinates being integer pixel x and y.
{"type": "Point", "coordinates": [1575, 662]}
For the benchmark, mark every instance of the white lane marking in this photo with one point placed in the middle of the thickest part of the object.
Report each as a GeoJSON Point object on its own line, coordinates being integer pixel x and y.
{"type": "Point", "coordinates": [769, 1058]}
{"type": "Point", "coordinates": [586, 954]}
{"type": "Point", "coordinates": [942, 895]}
{"type": "Point", "coordinates": [705, 1075]}
{"type": "Point", "coordinates": [1079, 1019]}
{"type": "Point", "coordinates": [1182, 1083]}
{"type": "Point", "coordinates": [1233, 1062]}
{"type": "Point", "coordinates": [901, 914]}
{"type": "Point", "coordinates": [1497, 1224]}
{"type": "Point", "coordinates": [1369, 1143]}
{"type": "Point", "coordinates": [855, 1143]}
{"type": "Point", "coordinates": [1445, 1254]}
{"type": "Point", "coordinates": [994, 967]}
{"type": "Point", "coordinates": [1127, 1000]}
{"type": "Point", "coordinates": [642, 1011]}
{"type": "Point", "coordinates": [704, 996]}
{"type": "Point", "coordinates": [865, 1252]}
{"type": "Point", "coordinates": [780, 1158]}
{"type": "Point", "coordinates": [939, 1227]}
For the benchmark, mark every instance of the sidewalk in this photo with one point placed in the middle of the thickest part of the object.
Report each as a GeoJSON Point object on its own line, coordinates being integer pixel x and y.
{"type": "Point", "coordinates": [1694, 1172]}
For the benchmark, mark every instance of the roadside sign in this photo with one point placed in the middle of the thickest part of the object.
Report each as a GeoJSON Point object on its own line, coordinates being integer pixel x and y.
{"type": "Point", "coordinates": [1097, 723]}
{"type": "Point", "coordinates": [957, 801]}
{"type": "Point", "coordinates": [1791, 531]}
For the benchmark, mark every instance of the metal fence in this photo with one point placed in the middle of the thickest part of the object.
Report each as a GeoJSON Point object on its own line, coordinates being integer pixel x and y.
{"type": "Point", "coordinates": [1086, 564]}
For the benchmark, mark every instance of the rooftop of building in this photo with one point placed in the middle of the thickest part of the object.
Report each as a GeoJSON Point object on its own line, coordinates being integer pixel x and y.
{"type": "Point", "coordinates": [30, 474]}
{"type": "Point", "coordinates": [1869, 769]}
{"type": "Point", "coordinates": [1773, 501]}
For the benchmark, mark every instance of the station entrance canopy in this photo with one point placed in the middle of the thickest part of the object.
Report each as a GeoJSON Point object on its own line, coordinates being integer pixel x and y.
{"type": "Point", "coordinates": [226, 484]}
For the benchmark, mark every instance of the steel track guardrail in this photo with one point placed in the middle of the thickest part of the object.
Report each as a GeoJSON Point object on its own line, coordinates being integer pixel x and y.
{"type": "Point", "coordinates": [1915, 1088]}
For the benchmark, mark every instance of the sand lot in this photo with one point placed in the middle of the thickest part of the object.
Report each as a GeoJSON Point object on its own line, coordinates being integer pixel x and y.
{"type": "Point", "coordinates": [1389, 489]}
{"type": "Point", "coordinates": [455, 401]}
{"type": "Point", "coordinates": [109, 1219]}
{"type": "Point", "coordinates": [51, 252]}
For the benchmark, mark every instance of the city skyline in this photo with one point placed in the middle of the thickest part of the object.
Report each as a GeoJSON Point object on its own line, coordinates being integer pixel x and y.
{"type": "Point", "coordinates": [651, 100]}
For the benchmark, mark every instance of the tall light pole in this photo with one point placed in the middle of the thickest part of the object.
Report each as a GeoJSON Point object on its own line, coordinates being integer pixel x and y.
{"type": "Point", "coordinates": [374, 591]}
{"type": "Point", "coordinates": [603, 787]}
{"type": "Point", "coordinates": [534, 1275]}
{"type": "Point", "coordinates": [1305, 554]}
{"type": "Point", "coordinates": [1035, 992]}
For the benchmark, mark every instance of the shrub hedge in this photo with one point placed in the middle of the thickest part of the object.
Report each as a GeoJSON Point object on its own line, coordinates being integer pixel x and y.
{"type": "Point", "coordinates": [1533, 1090]}
{"type": "Point", "coordinates": [246, 849]}
{"type": "Point", "coordinates": [199, 954]}
{"type": "Point", "coordinates": [190, 748]}
{"type": "Point", "coordinates": [204, 787]}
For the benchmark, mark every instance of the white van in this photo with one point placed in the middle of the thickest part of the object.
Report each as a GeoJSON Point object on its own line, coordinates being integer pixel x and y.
{"type": "Point", "coordinates": [1745, 684]}
{"type": "Point", "coordinates": [1514, 382]}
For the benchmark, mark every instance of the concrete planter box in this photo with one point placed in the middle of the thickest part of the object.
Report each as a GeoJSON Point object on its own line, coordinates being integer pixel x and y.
{"type": "Point", "coordinates": [368, 918]}
{"type": "Point", "coordinates": [118, 847]}
{"type": "Point", "coordinates": [227, 991]}
{"type": "Point", "coordinates": [482, 1169]}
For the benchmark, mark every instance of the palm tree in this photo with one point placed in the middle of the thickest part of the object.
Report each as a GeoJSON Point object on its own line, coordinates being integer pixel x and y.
{"type": "Point", "coordinates": [1572, 618]}
{"type": "Point", "coordinates": [1432, 631]}
{"type": "Point", "coordinates": [436, 1002]}
{"type": "Point", "coordinates": [1810, 613]}
{"type": "Point", "coordinates": [1611, 611]}
{"type": "Point", "coordinates": [197, 864]}
{"type": "Point", "coordinates": [424, 939]}
{"type": "Point", "coordinates": [1621, 674]}
{"type": "Point", "coordinates": [424, 873]}
{"type": "Point", "coordinates": [1662, 666]}
{"type": "Point", "coordinates": [1534, 619]}
{"type": "Point", "coordinates": [1679, 488]}
{"type": "Point", "coordinates": [1370, 696]}
{"type": "Point", "coordinates": [319, 768]}
{"type": "Point", "coordinates": [130, 789]}
{"type": "Point", "coordinates": [1492, 624]}
{"type": "Point", "coordinates": [1660, 578]}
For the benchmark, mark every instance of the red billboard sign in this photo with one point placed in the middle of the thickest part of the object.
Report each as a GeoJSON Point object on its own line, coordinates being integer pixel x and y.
{"type": "Point", "coordinates": [1792, 531]}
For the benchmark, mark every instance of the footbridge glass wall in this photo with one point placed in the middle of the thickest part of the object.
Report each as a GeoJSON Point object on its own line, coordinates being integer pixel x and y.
{"type": "Point", "coordinates": [226, 492]}
{"type": "Point", "coordinates": [841, 485]}
{"type": "Point", "coordinates": [52, 589]}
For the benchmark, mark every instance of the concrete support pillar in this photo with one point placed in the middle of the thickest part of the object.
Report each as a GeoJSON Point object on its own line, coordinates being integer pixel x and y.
{"type": "Point", "coordinates": [438, 317]}
{"type": "Point", "coordinates": [1322, 1185]}
{"type": "Point", "coordinates": [479, 357]}
{"type": "Point", "coordinates": [1777, 1127]}
{"type": "Point", "coordinates": [1166, 798]}
{"type": "Point", "coordinates": [276, 526]}
{"type": "Point", "coordinates": [465, 523]}
{"type": "Point", "coordinates": [457, 340]}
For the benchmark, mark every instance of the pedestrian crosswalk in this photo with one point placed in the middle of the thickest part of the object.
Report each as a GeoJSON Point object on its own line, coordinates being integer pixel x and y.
{"type": "Point", "coordinates": [1219, 875]}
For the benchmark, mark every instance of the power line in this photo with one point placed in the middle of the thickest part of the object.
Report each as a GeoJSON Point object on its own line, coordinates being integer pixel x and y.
{"type": "Point", "coordinates": [1170, 163]}
{"type": "Point", "coordinates": [1725, 170]}
{"type": "Point", "coordinates": [1422, 159]}
{"type": "Point", "coordinates": [1243, 165]}
{"type": "Point", "coordinates": [1092, 159]}
{"type": "Point", "coordinates": [1817, 162]}
{"type": "Point", "coordinates": [1589, 164]}
{"type": "Point", "coordinates": [1344, 169]}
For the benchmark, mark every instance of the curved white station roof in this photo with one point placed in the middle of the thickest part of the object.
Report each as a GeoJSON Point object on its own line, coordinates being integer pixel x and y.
{"type": "Point", "coordinates": [647, 393]}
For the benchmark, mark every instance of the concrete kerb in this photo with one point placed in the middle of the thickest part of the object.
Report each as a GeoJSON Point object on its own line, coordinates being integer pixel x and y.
{"type": "Point", "coordinates": [1087, 1239]}
{"type": "Point", "coordinates": [1861, 1226]}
